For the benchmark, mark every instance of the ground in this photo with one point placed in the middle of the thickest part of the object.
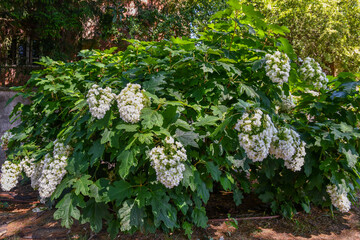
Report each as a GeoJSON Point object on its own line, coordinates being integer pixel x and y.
{"type": "Point", "coordinates": [20, 220]}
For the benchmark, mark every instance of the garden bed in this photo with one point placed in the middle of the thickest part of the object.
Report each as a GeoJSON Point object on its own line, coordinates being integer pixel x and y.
{"type": "Point", "coordinates": [19, 220]}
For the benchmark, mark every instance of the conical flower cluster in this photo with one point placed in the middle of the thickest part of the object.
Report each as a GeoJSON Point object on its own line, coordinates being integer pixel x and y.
{"type": "Point", "coordinates": [313, 74]}
{"type": "Point", "coordinates": [167, 162]}
{"type": "Point", "coordinates": [5, 139]}
{"type": "Point", "coordinates": [131, 101]}
{"type": "Point", "coordinates": [286, 144]}
{"type": "Point", "coordinates": [255, 133]}
{"type": "Point", "coordinates": [10, 173]}
{"type": "Point", "coordinates": [277, 67]}
{"type": "Point", "coordinates": [99, 100]}
{"type": "Point", "coordinates": [53, 169]}
{"type": "Point", "coordinates": [28, 166]}
{"type": "Point", "coordinates": [339, 198]}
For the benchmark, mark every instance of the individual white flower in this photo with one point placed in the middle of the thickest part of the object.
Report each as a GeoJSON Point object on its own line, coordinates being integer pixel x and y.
{"type": "Point", "coordinates": [131, 101]}
{"type": "Point", "coordinates": [53, 169]}
{"type": "Point", "coordinates": [313, 74]}
{"type": "Point", "coordinates": [255, 133]}
{"type": "Point", "coordinates": [339, 199]}
{"type": "Point", "coordinates": [10, 175]}
{"type": "Point", "coordinates": [167, 162]}
{"type": "Point", "coordinates": [5, 139]}
{"type": "Point", "coordinates": [277, 67]}
{"type": "Point", "coordinates": [99, 100]}
{"type": "Point", "coordinates": [286, 144]}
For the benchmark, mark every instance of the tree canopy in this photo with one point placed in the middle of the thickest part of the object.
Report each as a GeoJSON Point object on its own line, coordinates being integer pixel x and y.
{"type": "Point", "coordinates": [327, 30]}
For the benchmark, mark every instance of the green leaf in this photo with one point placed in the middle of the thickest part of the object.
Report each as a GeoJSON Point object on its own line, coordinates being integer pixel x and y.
{"type": "Point", "coordinates": [65, 183]}
{"type": "Point", "coordinates": [315, 181]}
{"type": "Point", "coordinates": [181, 123]}
{"type": "Point", "coordinates": [119, 191]}
{"type": "Point", "coordinates": [78, 163]}
{"type": "Point", "coordinates": [99, 190]}
{"type": "Point", "coordinates": [206, 67]}
{"type": "Point", "coordinates": [151, 118]}
{"type": "Point", "coordinates": [308, 164]}
{"type": "Point", "coordinates": [207, 121]}
{"type": "Point", "coordinates": [170, 115]}
{"type": "Point", "coordinates": [127, 160]}
{"type": "Point", "coordinates": [238, 196]}
{"type": "Point", "coordinates": [199, 217]}
{"type": "Point", "coordinates": [124, 215]}
{"type": "Point", "coordinates": [287, 48]}
{"type": "Point", "coordinates": [266, 197]}
{"type": "Point", "coordinates": [258, 64]}
{"type": "Point", "coordinates": [113, 228]}
{"type": "Point", "coordinates": [94, 213]}
{"type": "Point", "coordinates": [350, 154]}
{"type": "Point", "coordinates": [96, 151]}
{"type": "Point", "coordinates": [142, 195]}
{"type": "Point", "coordinates": [225, 183]}
{"type": "Point", "coordinates": [187, 138]}
{"type": "Point", "coordinates": [221, 127]}
{"type": "Point", "coordinates": [163, 211]}
{"type": "Point", "coordinates": [188, 179]}
{"type": "Point", "coordinates": [235, 4]}
{"type": "Point", "coordinates": [128, 127]}
{"type": "Point", "coordinates": [131, 216]}
{"type": "Point", "coordinates": [137, 216]}
{"type": "Point", "coordinates": [145, 138]}
{"type": "Point", "coordinates": [67, 209]}
{"type": "Point", "coordinates": [104, 122]}
{"type": "Point", "coordinates": [213, 170]}
{"type": "Point", "coordinates": [81, 185]}
{"type": "Point", "coordinates": [306, 207]}
{"type": "Point", "coordinates": [155, 83]}
{"type": "Point", "coordinates": [202, 191]}
{"type": "Point", "coordinates": [106, 136]}
{"type": "Point", "coordinates": [187, 229]}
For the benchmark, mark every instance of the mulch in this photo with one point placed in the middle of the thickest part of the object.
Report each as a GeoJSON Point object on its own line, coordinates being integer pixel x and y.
{"type": "Point", "coordinates": [253, 220]}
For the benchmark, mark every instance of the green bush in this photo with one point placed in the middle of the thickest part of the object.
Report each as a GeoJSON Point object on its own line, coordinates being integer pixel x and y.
{"type": "Point", "coordinates": [210, 113]}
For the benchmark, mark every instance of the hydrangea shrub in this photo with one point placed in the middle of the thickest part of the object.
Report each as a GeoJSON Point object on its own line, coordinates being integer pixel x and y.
{"type": "Point", "coordinates": [139, 139]}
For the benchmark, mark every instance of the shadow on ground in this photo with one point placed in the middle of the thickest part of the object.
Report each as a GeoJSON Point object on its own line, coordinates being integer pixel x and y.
{"type": "Point", "coordinates": [19, 221]}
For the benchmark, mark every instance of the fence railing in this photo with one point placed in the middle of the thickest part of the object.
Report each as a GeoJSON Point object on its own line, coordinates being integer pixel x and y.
{"type": "Point", "coordinates": [15, 75]}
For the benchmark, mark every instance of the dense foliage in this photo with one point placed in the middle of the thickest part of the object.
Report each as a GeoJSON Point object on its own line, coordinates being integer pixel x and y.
{"type": "Point", "coordinates": [145, 135]}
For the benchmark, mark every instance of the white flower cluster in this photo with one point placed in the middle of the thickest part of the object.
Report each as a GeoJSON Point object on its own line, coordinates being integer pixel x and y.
{"type": "Point", "coordinates": [167, 162]}
{"type": "Point", "coordinates": [5, 139]}
{"type": "Point", "coordinates": [28, 166]}
{"type": "Point", "coordinates": [131, 101]}
{"type": "Point", "coordinates": [339, 198]}
{"type": "Point", "coordinates": [255, 134]}
{"type": "Point", "coordinates": [277, 67]}
{"type": "Point", "coordinates": [287, 102]}
{"type": "Point", "coordinates": [99, 100]}
{"type": "Point", "coordinates": [37, 173]}
{"type": "Point", "coordinates": [53, 170]}
{"type": "Point", "coordinates": [10, 174]}
{"type": "Point", "coordinates": [286, 144]}
{"type": "Point", "coordinates": [313, 74]}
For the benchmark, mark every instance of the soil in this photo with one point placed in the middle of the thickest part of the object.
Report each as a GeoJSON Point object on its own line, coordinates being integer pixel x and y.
{"type": "Point", "coordinates": [19, 220]}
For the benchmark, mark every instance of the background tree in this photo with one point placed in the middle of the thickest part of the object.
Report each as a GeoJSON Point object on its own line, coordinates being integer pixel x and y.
{"type": "Point", "coordinates": [326, 30]}
{"type": "Point", "coordinates": [62, 28]}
